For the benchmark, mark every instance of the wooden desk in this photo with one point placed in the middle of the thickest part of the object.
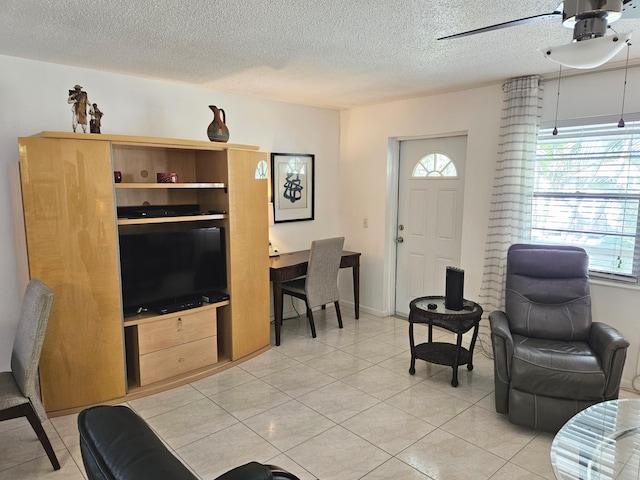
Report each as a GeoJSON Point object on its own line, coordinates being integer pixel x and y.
{"type": "Point", "coordinates": [288, 266]}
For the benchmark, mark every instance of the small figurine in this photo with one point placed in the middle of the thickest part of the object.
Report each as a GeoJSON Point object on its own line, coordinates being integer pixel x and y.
{"type": "Point", "coordinates": [80, 101]}
{"type": "Point", "coordinates": [96, 118]}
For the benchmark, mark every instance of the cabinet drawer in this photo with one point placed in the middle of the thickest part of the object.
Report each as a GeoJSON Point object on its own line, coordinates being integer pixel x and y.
{"type": "Point", "coordinates": [176, 330]}
{"type": "Point", "coordinates": [163, 364]}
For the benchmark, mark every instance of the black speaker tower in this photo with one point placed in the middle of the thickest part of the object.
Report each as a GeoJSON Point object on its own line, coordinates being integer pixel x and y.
{"type": "Point", "coordinates": [454, 289]}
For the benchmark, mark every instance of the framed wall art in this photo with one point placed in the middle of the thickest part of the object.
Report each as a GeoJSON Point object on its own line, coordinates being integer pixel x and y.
{"type": "Point", "coordinates": [292, 186]}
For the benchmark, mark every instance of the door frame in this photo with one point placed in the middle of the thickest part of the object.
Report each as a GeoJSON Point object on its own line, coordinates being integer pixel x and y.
{"type": "Point", "coordinates": [392, 203]}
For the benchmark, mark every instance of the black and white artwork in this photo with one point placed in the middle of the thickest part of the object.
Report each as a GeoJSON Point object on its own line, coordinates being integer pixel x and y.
{"type": "Point", "coordinates": [292, 182]}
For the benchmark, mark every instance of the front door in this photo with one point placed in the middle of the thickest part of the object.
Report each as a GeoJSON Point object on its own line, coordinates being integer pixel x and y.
{"type": "Point", "coordinates": [431, 187]}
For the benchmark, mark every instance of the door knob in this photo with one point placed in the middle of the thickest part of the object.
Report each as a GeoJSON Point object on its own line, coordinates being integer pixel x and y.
{"type": "Point", "coordinates": [400, 240]}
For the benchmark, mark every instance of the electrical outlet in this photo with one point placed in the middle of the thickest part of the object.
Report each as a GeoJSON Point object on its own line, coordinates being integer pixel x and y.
{"type": "Point", "coordinates": [365, 222]}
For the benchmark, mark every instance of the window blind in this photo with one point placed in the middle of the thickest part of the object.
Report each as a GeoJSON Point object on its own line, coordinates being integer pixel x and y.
{"type": "Point", "coordinates": [587, 193]}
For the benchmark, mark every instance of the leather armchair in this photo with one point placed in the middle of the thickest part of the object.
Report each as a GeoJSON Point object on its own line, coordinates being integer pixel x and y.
{"type": "Point", "coordinates": [116, 444]}
{"type": "Point", "coordinates": [550, 359]}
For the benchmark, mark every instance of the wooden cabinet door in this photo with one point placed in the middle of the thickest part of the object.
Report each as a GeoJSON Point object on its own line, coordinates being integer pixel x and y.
{"type": "Point", "coordinates": [70, 223]}
{"type": "Point", "coordinates": [248, 251]}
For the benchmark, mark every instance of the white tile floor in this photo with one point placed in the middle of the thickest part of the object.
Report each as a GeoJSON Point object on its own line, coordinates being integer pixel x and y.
{"type": "Point", "coordinates": [341, 406]}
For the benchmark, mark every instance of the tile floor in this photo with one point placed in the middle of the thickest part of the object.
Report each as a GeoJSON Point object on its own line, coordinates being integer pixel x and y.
{"type": "Point", "coordinates": [341, 406]}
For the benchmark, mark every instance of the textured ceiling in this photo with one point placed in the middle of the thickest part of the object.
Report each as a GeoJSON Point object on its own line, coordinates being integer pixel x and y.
{"type": "Point", "coordinates": [330, 53]}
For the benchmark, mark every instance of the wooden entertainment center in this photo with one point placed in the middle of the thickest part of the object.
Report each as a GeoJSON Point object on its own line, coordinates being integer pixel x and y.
{"type": "Point", "coordinates": [92, 353]}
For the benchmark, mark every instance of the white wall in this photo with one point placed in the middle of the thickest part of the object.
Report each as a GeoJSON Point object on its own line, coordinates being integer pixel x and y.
{"type": "Point", "coordinates": [33, 98]}
{"type": "Point", "coordinates": [366, 167]}
{"type": "Point", "coordinates": [367, 163]}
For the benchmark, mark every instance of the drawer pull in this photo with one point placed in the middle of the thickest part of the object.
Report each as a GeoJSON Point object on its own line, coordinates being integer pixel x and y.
{"type": "Point", "coordinates": [180, 324]}
{"type": "Point", "coordinates": [180, 360]}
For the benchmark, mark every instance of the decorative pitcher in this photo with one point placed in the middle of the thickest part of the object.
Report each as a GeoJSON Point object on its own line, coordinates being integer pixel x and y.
{"type": "Point", "coordinates": [218, 131]}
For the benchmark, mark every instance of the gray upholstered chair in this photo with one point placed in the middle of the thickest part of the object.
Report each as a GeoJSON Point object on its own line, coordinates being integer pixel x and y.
{"type": "Point", "coordinates": [18, 392]}
{"type": "Point", "coordinates": [550, 359]}
{"type": "Point", "coordinates": [320, 285]}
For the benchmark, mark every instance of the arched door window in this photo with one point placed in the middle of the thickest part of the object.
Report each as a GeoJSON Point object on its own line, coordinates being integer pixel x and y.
{"type": "Point", "coordinates": [434, 165]}
{"type": "Point", "coordinates": [262, 170]}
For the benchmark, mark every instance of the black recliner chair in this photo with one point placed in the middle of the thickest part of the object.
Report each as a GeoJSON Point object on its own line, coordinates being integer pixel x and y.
{"type": "Point", "coordinates": [550, 360]}
{"type": "Point", "coordinates": [116, 444]}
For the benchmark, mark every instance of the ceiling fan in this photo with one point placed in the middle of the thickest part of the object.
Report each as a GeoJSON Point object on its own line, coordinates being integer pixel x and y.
{"type": "Point", "coordinates": [589, 19]}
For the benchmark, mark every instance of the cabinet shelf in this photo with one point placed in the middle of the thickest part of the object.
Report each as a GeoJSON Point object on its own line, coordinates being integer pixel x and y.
{"type": "Point", "coordinates": [168, 185]}
{"type": "Point", "coordinates": [147, 317]}
{"type": "Point", "coordinates": [187, 218]}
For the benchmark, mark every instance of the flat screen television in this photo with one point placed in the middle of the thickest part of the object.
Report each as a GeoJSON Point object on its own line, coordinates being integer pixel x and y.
{"type": "Point", "coordinates": [167, 267]}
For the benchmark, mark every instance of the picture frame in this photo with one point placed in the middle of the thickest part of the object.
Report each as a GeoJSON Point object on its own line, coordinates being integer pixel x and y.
{"type": "Point", "coordinates": [293, 186]}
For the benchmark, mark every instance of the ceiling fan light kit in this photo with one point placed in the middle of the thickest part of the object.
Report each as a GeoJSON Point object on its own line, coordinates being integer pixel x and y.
{"type": "Point", "coordinates": [587, 53]}
{"type": "Point", "coordinates": [590, 47]}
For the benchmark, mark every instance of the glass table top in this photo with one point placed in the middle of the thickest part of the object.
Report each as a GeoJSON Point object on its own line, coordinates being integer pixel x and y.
{"type": "Point", "coordinates": [601, 442]}
{"type": "Point", "coordinates": [423, 304]}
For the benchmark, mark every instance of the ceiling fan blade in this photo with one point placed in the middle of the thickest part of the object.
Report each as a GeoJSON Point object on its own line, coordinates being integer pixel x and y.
{"type": "Point", "coordinates": [630, 9]}
{"type": "Point", "coordinates": [512, 23]}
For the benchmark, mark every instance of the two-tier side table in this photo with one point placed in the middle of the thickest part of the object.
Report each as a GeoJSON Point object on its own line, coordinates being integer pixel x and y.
{"type": "Point", "coordinates": [456, 321]}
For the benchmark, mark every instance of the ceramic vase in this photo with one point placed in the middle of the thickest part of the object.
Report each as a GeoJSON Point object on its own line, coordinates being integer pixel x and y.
{"type": "Point", "coordinates": [218, 131]}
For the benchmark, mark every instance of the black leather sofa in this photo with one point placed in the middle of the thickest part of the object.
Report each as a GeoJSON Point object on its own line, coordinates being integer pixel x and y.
{"type": "Point", "coordinates": [117, 444]}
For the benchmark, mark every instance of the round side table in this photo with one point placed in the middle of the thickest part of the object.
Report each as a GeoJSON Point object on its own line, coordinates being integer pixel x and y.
{"type": "Point", "coordinates": [456, 321]}
{"type": "Point", "coordinates": [600, 442]}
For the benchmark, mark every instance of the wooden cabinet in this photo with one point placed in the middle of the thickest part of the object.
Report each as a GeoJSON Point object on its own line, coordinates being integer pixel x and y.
{"type": "Point", "coordinates": [171, 345]}
{"type": "Point", "coordinates": [69, 206]}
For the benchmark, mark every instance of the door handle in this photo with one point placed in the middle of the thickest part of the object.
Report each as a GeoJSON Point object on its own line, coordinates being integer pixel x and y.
{"type": "Point", "coordinates": [399, 239]}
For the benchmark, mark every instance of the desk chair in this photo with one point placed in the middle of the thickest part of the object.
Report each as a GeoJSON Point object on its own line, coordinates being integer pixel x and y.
{"type": "Point", "coordinates": [320, 285]}
{"type": "Point", "coordinates": [18, 394]}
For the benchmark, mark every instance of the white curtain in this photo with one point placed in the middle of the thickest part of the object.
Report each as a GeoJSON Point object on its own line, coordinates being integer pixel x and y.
{"type": "Point", "coordinates": [509, 219]}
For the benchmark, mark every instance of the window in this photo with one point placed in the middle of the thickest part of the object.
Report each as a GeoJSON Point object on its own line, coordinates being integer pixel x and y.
{"type": "Point", "coordinates": [434, 165]}
{"type": "Point", "coordinates": [262, 170]}
{"type": "Point", "coordinates": [587, 193]}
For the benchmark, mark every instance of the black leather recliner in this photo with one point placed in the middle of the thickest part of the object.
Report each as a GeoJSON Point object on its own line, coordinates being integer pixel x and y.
{"type": "Point", "coordinates": [550, 360]}
{"type": "Point", "coordinates": [116, 444]}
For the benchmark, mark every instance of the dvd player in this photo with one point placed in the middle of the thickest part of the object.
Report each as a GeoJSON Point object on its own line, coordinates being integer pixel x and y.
{"type": "Point", "coordinates": [185, 304]}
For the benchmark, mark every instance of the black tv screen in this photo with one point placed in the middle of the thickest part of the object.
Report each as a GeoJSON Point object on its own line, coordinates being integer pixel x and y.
{"type": "Point", "coordinates": [164, 267]}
